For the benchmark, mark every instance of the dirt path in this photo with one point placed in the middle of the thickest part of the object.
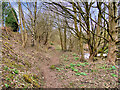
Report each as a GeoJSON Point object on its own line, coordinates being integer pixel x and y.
{"type": "Point", "coordinates": [43, 66]}
{"type": "Point", "coordinates": [50, 78]}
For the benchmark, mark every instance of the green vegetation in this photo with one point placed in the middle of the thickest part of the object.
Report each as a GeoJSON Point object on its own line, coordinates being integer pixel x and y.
{"type": "Point", "coordinates": [58, 69]}
{"type": "Point", "coordinates": [113, 67]}
{"type": "Point", "coordinates": [64, 49]}
{"type": "Point", "coordinates": [72, 68]}
{"type": "Point", "coordinates": [6, 68]}
{"type": "Point", "coordinates": [52, 67]}
{"type": "Point", "coordinates": [72, 65]}
{"type": "Point", "coordinates": [82, 64]}
{"type": "Point", "coordinates": [114, 75]}
{"type": "Point", "coordinates": [76, 70]}
{"type": "Point", "coordinates": [16, 71]}
{"type": "Point", "coordinates": [6, 85]}
{"type": "Point", "coordinates": [82, 73]}
{"type": "Point", "coordinates": [51, 43]}
{"type": "Point", "coordinates": [66, 59]}
{"type": "Point", "coordinates": [67, 67]}
{"type": "Point", "coordinates": [76, 58]}
{"type": "Point", "coordinates": [78, 65]}
{"type": "Point", "coordinates": [7, 79]}
{"type": "Point", "coordinates": [74, 54]}
{"type": "Point", "coordinates": [27, 78]}
{"type": "Point", "coordinates": [11, 21]}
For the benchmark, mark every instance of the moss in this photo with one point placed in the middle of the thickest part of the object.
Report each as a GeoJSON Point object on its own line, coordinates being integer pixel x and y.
{"type": "Point", "coordinates": [95, 58]}
{"type": "Point", "coordinates": [27, 78]}
{"type": "Point", "coordinates": [6, 42]}
{"type": "Point", "coordinates": [11, 76]}
{"type": "Point", "coordinates": [36, 85]}
{"type": "Point", "coordinates": [35, 76]}
{"type": "Point", "coordinates": [10, 55]}
{"type": "Point", "coordinates": [7, 37]}
{"type": "Point", "coordinates": [19, 66]}
{"type": "Point", "coordinates": [52, 67]}
{"type": "Point", "coordinates": [118, 56]}
{"type": "Point", "coordinates": [12, 63]}
{"type": "Point", "coordinates": [8, 62]}
{"type": "Point", "coordinates": [10, 45]}
{"type": "Point", "coordinates": [71, 83]}
{"type": "Point", "coordinates": [27, 63]}
{"type": "Point", "coordinates": [100, 50]}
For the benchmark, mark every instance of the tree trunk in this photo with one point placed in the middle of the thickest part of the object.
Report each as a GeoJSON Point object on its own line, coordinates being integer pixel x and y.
{"type": "Point", "coordinates": [112, 29]}
{"type": "Point", "coordinates": [22, 33]}
{"type": "Point", "coordinates": [61, 41]}
{"type": "Point", "coordinates": [81, 41]}
{"type": "Point", "coordinates": [70, 43]}
{"type": "Point", "coordinates": [97, 32]}
{"type": "Point", "coordinates": [88, 29]}
{"type": "Point", "coordinates": [65, 38]}
{"type": "Point", "coordinates": [46, 38]}
{"type": "Point", "coordinates": [25, 31]}
{"type": "Point", "coordinates": [79, 33]}
{"type": "Point", "coordinates": [118, 44]}
{"type": "Point", "coordinates": [33, 32]}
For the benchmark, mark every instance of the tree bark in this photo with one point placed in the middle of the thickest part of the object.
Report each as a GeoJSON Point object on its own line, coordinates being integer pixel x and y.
{"type": "Point", "coordinates": [112, 28]}
{"type": "Point", "coordinates": [33, 32]}
{"type": "Point", "coordinates": [81, 41]}
{"type": "Point", "coordinates": [88, 29]}
{"type": "Point", "coordinates": [65, 39]}
{"type": "Point", "coordinates": [22, 33]}
{"type": "Point", "coordinates": [61, 41]}
{"type": "Point", "coordinates": [79, 33]}
{"type": "Point", "coordinates": [25, 31]}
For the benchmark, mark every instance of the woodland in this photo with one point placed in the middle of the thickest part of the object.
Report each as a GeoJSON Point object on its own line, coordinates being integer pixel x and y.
{"type": "Point", "coordinates": [60, 44]}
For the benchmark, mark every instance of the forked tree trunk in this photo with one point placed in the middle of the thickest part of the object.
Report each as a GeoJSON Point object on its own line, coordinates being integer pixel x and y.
{"type": "Point", "coordinates": [79, 33]}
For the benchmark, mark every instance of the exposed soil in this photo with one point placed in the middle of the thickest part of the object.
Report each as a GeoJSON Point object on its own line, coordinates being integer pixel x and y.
{"type": "Point", "coordinates": [39, 62]}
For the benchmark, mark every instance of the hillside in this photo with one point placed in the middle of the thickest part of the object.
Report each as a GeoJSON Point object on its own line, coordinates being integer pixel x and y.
{"type": "Point", "coordinates": [48, 67]}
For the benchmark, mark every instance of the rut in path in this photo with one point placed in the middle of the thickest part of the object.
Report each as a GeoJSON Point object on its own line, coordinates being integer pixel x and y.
{"type": "Point", "coordinates": [51, 80]}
